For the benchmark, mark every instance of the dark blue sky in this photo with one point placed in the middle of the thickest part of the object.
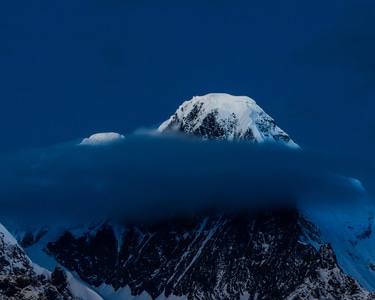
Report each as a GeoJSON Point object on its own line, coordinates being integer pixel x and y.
{"type": "Point", "coordinates": [73, 68]}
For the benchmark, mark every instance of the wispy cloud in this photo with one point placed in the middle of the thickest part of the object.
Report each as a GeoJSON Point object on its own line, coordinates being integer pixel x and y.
{"type": "Point", "coordinates": [146, 178]}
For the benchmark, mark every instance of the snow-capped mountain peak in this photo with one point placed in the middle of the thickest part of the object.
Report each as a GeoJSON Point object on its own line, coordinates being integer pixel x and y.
{"type": "Point", "coordinates": [304, 252]}
{"type": "Point", "coordinates": [223, 116]}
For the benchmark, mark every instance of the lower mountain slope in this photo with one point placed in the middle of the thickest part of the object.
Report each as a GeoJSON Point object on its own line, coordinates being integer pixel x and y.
{"type": "Point", "coordinates": [264, 255]}
{"type": "Point", "coordinates": [21, 280]}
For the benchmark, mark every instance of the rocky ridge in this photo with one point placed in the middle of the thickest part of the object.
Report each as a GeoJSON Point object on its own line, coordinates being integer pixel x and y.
{"type": "Point", "coordinates": [21, 280]}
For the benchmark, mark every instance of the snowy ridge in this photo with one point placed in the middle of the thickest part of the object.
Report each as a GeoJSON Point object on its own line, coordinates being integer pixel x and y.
{"type": "Point", "coordinates": [14, 260]}
{"type": "Point", "coordinates": [7, 237]}
{"type": "Point", "coordinates": [22, 279]}
{"type": "Point", "coordinates": [223, 116]}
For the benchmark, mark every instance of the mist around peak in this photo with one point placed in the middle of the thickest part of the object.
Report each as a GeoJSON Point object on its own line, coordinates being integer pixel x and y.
{"type": "Point", "coordinates": [149, 177]}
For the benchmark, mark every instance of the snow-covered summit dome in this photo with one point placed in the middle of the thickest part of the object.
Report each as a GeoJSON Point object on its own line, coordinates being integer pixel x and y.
{"type": "Point", "coordinates": [223, 116]}
{"type": "Point", "coordinates": [102, 138]}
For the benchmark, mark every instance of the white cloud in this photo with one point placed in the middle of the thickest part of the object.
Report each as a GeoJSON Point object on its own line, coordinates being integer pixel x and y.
{"type": "Point", "coordinates": [103, 138]}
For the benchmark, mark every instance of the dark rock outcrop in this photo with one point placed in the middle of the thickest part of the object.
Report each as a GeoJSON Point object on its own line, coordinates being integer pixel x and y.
{"type": "Point", "coordinates": [19, 280]}
{"type": "Point", "coordinates": [262, 255]}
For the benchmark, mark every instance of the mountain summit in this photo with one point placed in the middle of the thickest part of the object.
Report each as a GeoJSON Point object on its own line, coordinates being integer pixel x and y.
{"type": "Point", "coordinates": [289, 252]}
{"type": "Point", "coordinates": [223, 116]}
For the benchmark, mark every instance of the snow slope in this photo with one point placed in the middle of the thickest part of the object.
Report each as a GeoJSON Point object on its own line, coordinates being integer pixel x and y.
{"type": "Point", "coordinates": [349, 228]}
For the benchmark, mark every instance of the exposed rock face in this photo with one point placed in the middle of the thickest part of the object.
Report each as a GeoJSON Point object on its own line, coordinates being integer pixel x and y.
{"type": "Point", "coordinates": [20, 281]}
{"type": "Point", "coordinates": [223, 116]}
{"type": "Point", "coordinates": [262, 255]}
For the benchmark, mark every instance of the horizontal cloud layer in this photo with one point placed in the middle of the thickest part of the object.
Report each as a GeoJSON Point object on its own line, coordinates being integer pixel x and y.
{"type": "Point", "coordinates": [146, 178]}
